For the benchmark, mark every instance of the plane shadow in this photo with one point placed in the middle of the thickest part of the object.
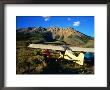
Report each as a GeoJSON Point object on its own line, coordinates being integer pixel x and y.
{"type": "Point", "coordinates": [66, 67]}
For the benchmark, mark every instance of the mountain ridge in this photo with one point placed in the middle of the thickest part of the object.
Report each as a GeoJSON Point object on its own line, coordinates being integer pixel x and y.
{"type": "Point", "coordinates": [68, 35]}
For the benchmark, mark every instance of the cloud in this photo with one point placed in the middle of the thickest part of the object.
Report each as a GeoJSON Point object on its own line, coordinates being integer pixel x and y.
{"type": "Point", "coordinates": [77, 23]}
{"type": "Point", "coordinates": [68, 19]}
{"type": "Point", "coordinates": [46, 18]}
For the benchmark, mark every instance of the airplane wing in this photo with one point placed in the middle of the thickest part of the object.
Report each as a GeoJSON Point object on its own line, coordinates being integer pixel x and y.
{"type": "Point", "coordinates": [60, 47]}
{"type": "Point", "coordinates": [82, 49]}
{"type": "Point", "coordinates": [43, 46]}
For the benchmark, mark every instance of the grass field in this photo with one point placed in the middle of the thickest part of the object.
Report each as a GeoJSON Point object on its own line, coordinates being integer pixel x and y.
{"type": "Point", "coordinates": [32, 61]}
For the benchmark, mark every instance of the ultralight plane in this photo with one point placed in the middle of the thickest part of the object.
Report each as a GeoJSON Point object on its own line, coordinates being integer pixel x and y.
{"type": "Point", "coordinates": [68, 51]}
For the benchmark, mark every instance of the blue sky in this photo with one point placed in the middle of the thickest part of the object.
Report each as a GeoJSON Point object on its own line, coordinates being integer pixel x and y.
{"type": "Point", "coordinates": [84, 24]}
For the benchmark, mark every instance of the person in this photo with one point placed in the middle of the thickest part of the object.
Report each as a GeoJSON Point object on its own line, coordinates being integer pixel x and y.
{"type": "Point", "coordinates": [46, 55]}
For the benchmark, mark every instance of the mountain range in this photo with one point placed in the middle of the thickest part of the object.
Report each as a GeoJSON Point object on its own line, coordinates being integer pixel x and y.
{"type": "Point", "coordinates": [68, 36]}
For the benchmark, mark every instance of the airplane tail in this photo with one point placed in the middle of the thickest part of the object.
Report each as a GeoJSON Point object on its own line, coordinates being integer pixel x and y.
{"type": "Point", "coordinates": [70, 56]}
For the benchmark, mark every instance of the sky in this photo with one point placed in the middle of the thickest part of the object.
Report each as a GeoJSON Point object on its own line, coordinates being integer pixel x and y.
{"type": "Point", "coordinates": [84, 24]}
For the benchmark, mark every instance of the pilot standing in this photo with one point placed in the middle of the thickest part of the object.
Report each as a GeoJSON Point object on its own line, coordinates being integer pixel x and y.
{"type": "Point", "coordinates": [46, 54]}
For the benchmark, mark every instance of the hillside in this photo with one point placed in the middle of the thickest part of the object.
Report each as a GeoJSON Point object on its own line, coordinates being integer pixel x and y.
{"type": "Point", "coordinates": [68, 36]}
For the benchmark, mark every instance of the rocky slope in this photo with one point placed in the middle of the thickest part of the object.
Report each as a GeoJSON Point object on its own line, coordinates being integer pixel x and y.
{"type": "Point", "coordinates": [68, 35]}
